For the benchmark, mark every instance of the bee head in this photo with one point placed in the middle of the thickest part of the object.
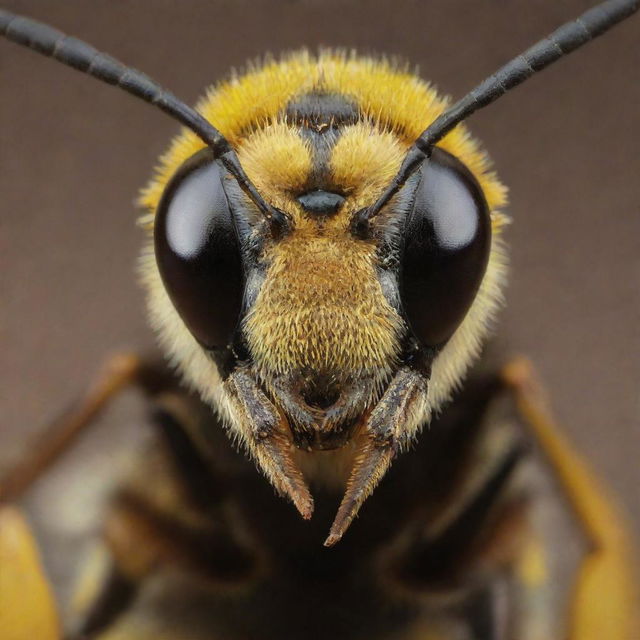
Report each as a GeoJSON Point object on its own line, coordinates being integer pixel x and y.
{"type": "Point", "coordinates": [322, 315]}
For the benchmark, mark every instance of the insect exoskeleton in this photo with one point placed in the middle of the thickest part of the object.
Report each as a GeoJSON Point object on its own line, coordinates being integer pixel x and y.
{"type": "Point", "coordinates": [325, 344]}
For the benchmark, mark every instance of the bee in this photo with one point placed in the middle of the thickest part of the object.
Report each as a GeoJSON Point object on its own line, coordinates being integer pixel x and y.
{"type": "Point", "coordinates": [323, 260]}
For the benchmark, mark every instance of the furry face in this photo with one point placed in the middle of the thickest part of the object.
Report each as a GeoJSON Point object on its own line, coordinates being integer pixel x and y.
{"type": "Point", "coordinates": [327, 367]}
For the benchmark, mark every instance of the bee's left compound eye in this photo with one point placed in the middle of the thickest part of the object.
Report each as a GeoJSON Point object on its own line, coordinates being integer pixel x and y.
{"type": "Point", "coordinates": [198, 252]}
{"type": "Point", "coordinates": [446, 248]}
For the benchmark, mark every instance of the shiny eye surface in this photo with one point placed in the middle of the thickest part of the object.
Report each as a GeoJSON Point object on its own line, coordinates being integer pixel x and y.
{"type": "Point", "coordinates": [198, 252]}
{"type": "Point", "coordinates": [447, 242]}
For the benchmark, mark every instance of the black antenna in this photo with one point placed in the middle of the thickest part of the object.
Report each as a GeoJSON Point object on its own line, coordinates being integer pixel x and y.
{"type": "Point", "coordinates": [562, 41]}
{"type": "Point", "coordinates": [83, 57]}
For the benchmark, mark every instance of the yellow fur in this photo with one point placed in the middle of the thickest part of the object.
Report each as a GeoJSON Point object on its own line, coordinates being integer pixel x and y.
{"type": "Point", "coordinates": [321, 305]}
{"type": "Point", "coordinates": [277, 159]}
{"type": "Point", "coordinates": [392, 98]}
{"type": "Point", "coordinates": [364, 161]}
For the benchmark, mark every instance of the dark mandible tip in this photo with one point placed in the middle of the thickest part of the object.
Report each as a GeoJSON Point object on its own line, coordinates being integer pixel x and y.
{"type": "Point", "coordinates": [562, 41]}
{"type": "Point", "coordinates": [83, 57]}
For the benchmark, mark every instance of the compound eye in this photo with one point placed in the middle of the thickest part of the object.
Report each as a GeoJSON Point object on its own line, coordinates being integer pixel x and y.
{"type": "Point", "coordinates": [447, 243]}
{"type": "Point", "coordinates": [198, 252]}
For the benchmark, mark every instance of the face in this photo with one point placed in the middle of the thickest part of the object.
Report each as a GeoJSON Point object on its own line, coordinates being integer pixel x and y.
{"type": "Point", "coordinates": [324, 345]}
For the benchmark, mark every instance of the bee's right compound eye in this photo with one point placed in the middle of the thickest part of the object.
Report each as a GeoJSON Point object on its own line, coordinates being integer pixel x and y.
{"type": "Point", "coordinates": [447, 243]}
{"type": "Point", "coordinates": [198, 251]}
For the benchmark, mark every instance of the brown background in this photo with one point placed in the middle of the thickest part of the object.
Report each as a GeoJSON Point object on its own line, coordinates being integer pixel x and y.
{"type": "Point", "coordinates": [74, 152]}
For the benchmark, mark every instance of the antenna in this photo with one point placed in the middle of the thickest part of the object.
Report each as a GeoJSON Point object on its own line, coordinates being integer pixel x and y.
{"type": "Point", "coordinates": [562, 41]}
{"type": "Point", "coordinates": [83, 57]}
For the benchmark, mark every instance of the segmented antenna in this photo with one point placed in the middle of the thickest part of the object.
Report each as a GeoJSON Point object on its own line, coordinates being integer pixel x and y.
{"type": "Point", "coordinates": [562, 41]}
{"type": "Point", "coordinates": [83, 57]}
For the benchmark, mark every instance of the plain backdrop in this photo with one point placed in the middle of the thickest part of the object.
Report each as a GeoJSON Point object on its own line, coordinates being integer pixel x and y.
{"type": "Point", "coordinates": [73, 153]}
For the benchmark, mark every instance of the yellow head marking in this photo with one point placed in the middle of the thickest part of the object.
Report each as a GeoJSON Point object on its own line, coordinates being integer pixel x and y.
{"type": "Point", "coordinates": [391, 98]}
{"type": "Point", "coordinates": [277, 160]}
{"type": "Point", "coordinates": [364, 160]}
{"type": "Point", "coordinates": [321, 307]}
